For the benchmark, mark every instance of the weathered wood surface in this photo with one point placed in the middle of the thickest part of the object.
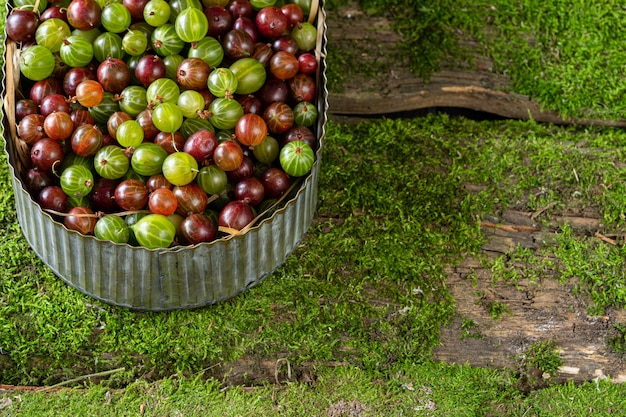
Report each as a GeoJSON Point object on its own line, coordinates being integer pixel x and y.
{"type": "Point", "coordinates": [369, 40]}
{"type": "Point", "coordinates": [543, 310]}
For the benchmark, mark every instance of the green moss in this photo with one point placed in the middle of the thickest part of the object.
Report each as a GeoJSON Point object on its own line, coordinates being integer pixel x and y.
{"type": "Point", "coordinates": [433, 389]}
{"type": "Point", "coordinates": [543, 356]}
{"type": "Point", "coordinates": [497, 309]}
{"type": "Point", "coordinates": [598, 267]}
{"type": "Point", "coordinates": [468, 327]}
{"type": "Point", "coordinates": [563, 54]}
{"type": "Point", "coordinates": [617, 339]}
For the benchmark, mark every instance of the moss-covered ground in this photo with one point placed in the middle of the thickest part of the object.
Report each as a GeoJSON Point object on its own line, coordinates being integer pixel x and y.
{"type": "Point", "coordinates": [355, 312]}
{"type": "Point", "coordinates": [349, 321]}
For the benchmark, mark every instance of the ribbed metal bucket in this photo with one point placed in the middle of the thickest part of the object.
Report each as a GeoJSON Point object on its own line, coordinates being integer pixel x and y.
{"type": "Point", "coordinates": [180, 277]}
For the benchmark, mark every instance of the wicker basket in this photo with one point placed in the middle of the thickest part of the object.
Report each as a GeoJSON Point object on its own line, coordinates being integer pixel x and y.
{"type": "Point", "coordinates": [175, 278]}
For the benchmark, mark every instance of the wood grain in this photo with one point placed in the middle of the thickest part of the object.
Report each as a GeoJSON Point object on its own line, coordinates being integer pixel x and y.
{"type": "Point", "coordinates": [537, 310]}
{"type": "Point", "coordinates": [367, 41]}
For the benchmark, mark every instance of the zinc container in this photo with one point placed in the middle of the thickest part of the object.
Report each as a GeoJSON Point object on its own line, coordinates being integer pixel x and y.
{"type": "Point", "coordinates": [180, 277]}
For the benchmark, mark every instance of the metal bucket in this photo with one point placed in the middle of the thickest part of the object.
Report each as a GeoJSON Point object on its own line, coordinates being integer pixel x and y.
{"type": "Point", "coordinates": [176, 278]}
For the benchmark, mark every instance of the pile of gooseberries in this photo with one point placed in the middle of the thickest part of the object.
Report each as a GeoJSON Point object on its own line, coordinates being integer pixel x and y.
{"type": "Point", "coordinates": [159, 123]}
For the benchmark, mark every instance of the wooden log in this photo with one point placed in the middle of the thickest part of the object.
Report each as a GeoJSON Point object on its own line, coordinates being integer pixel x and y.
{"type": "Point", "coordinates": [537, 310]}
{"type": "Point", "coordinates": [368, 40]}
